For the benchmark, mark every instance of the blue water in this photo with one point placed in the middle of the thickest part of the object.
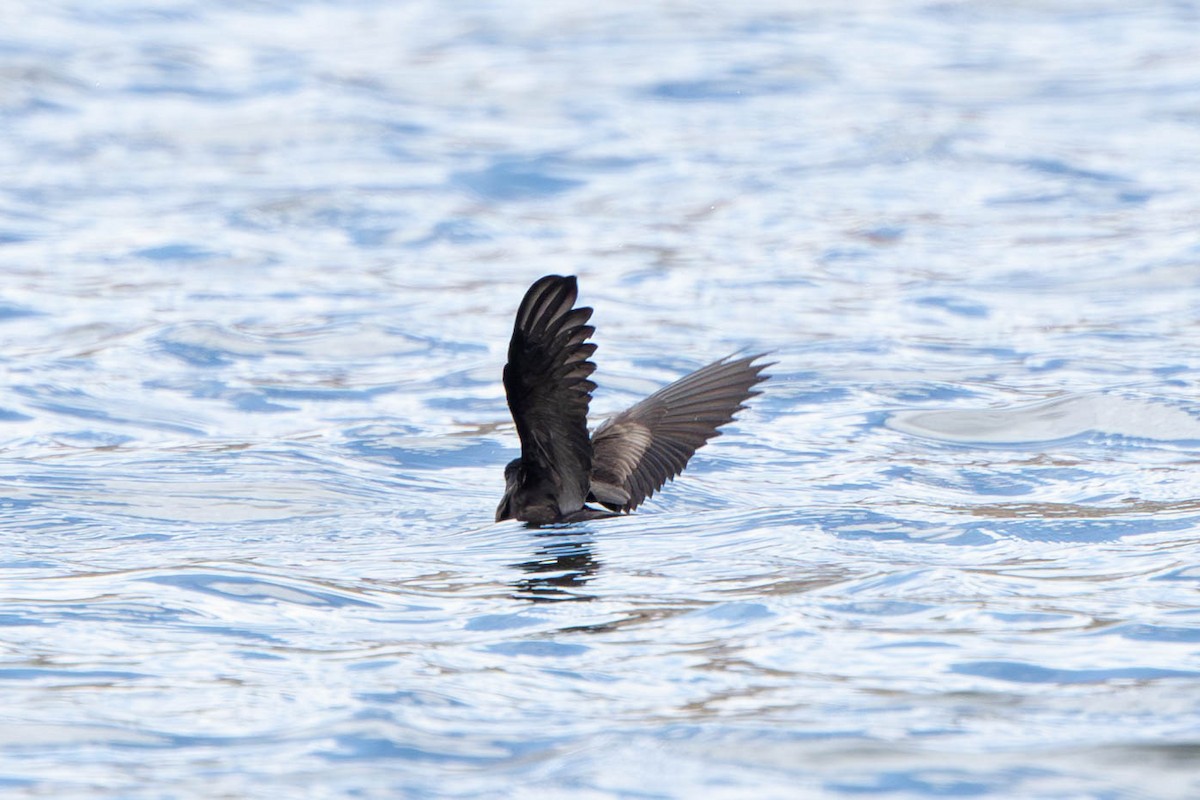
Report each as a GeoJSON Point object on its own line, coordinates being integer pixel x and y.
{"type": "Point", "coordinates": [260, 262]}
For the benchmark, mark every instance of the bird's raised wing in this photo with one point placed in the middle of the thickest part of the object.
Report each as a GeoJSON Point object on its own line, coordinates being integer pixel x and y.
{"type": "Point", "coordinates": [640, 449]}
{"type": "Point", "coordinates": [546, 381]}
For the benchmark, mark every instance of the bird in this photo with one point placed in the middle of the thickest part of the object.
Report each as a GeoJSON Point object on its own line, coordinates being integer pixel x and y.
{"type": "Point", "coordinates": [626, 459]}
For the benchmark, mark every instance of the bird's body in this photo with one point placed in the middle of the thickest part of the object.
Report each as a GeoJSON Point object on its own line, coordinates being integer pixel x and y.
{"type": "Point", "coordinates": [628, 457]}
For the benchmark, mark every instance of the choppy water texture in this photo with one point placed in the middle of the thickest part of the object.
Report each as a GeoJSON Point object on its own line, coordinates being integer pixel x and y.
{"type": "Point", "coordinates": [260, 263]}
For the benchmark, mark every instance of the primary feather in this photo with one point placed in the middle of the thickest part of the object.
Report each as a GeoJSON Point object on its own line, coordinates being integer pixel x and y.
{"type": "Point", "coordinates": [640, 449]}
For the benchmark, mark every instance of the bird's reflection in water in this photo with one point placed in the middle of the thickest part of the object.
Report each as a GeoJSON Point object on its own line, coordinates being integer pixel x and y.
{"type": "Point", "coordinates": [563, 563]}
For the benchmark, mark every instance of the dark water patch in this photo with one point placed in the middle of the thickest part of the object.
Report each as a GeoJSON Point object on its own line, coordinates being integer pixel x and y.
{"type": "Point", "coordinates": [10, 311]}
{"type": "Point", "coordinates": [257, 403]}
{"type": "Point", "coordinates": [18, 620]}
{"type": "Point", "coordinates": [17, 783]}
{"type": "Point", "coordinates": [29, 564]}
{"type": "Point", "coordinates": [195, 354]}
{"type": "Point", "coordinates": [371, 749]}
{"type": "Point", "coordinates": [1061, 168]}
{"type": "Point", "coordinates": [1142, 632]}
{"type": "Point", "coordinates": [735, 614]}
{"type": "Point", "coordinates": [101, 612]}
{"type": "Point", "coordinates": [145, 537]}
{"type": "Point", "coordinates": [516, 180]}
{"type": "Point", "coordinates": [78, 403]}
{"type": "Point", "coordinates": [412, 698]}
{"type": "Point", "coordinates": [797, 393]}
{"type": "Point", "coordinates": [1018, 672]}
{"type": "Point", "coordinates": [103, 439]}
{"type": "Point", "coordinates": [177, 252]}
{"type": "Point", "coordinates": [866, 524]}
{"type": "Point", "coordinates": [244, 589]}
{"type": "Point", "coordinates": [502, 622]}
{"type": "Point", "coordinates": [955, 305]}
{"type": "Point", "coordinates": [538, 649]}
{"type": "Point", "coordinates": [929, 392]}
{"type": "Point", "coordinates": [884, 608]}
{"type": "Point", "coordinates": [729, 89]}
{"type": "Point", "coordinates": [328, 395]}
{"type": "Point", "coordinates": [69, 676]}
{"type": "Point", "coordinates": [934, 782]}
{"type": "Point", "coordinates": [1181, 574]}
{"type": "Point", "coordinates": [1082, 531]}
{"type": "Point", "coordinates": [242, 634]}
{"type": "Point", "coordinates": [451, 749]}
{"type": "Point", "coordinates": [479, 406]}
{"type": "Point", "coordinates": [453, 231]}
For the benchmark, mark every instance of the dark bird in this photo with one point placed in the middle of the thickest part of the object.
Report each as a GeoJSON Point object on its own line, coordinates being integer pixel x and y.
{"type": "Point", "coordinates": [630, 456]}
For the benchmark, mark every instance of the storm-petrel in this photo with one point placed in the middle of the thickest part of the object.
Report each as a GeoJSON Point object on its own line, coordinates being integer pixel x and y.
{"type": "Point", "coordinates": [630, 456]}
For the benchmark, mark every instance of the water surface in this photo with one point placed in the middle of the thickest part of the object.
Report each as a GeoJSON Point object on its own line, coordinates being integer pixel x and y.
{"type": "Point", "coordinates": [260, 264]}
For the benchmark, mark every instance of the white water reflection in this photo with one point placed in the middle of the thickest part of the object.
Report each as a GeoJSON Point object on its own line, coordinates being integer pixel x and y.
{"type": "Point", "coordinates": [1051, 420]}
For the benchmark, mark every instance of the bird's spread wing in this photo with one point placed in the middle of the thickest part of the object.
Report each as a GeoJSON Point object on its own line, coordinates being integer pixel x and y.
{"type": "Point", "coordinates": [640, 449]}
{"type": "Point", "coordinates": [546, 380]}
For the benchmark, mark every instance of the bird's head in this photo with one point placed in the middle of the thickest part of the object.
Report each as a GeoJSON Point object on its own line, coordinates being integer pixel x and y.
{"type": "Point", "coordinates": [512, 481]}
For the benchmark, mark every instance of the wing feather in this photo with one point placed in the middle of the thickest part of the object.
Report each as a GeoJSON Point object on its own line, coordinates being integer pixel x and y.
{"type": "Point", "coordinates": [548, 387]}
{"type": "Point", "coordinates": [640, 449]}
